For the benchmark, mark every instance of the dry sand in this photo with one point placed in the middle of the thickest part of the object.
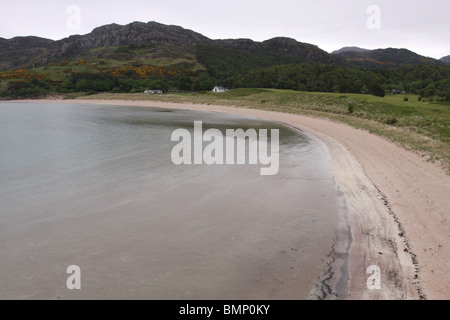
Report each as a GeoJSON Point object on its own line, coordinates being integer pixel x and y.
{"type": "Point", "coordinates": [398, 205]}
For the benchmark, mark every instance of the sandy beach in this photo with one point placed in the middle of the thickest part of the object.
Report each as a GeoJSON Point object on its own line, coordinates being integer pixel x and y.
{"type": "Point", "coordinates": [397, 204]}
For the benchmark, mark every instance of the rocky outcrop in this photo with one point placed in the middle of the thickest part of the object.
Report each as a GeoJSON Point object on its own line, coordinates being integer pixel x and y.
{"type": "Point", "coordinates": [28, 50]}
{"type": "Point", "coordinates": [136, 33]}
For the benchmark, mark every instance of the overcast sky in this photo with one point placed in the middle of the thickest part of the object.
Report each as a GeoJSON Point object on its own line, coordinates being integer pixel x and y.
{"type": "Point", "coordinates": [421, 26]}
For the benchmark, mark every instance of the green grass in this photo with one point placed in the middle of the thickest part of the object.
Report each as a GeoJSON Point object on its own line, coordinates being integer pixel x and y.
{"type": "Point", "coordinates": [116, 57]}
{"type": "Point", "coordinates": [54, 72]}
{"type": "Point", "coordinates": [162, 55]}
{"type": "Point", "coordinates": [423, 127]}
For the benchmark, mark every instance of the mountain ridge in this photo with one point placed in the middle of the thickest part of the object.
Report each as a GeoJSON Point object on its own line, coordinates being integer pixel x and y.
{"type": "Point", "coordinates": [31, 50]}
{"type": "Point", "coordinates": [387, 56]}
{"type": "Point", "coordinates": [349, 49]}
{"type": "Point", "coordinates": [12, 50]}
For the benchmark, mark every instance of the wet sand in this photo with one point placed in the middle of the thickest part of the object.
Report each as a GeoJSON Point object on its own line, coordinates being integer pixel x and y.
{"type": "Point", "coordinates": [397, 207]}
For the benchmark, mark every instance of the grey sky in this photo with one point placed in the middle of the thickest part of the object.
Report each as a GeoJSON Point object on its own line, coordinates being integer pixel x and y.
{"type": "Point", "coordinates": [421, 26]}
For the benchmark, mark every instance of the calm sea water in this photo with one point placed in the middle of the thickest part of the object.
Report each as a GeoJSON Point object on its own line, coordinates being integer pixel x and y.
{"type": "Point", "coordinates": [94, 186]}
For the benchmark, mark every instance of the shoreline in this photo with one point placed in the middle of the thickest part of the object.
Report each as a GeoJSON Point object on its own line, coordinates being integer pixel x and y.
{"type": "Point", "coordinates": [396, 205]}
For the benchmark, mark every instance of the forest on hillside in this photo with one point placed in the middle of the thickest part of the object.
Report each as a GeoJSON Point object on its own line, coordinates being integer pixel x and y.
{"type": "Point", "coordinates": [229, 68]}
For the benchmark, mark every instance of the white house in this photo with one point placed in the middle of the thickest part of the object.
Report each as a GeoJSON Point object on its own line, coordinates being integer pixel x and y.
{"type": "Point", "coordinates": [153, 91]}
{"type": "Point", "coordinates": [219, 89]}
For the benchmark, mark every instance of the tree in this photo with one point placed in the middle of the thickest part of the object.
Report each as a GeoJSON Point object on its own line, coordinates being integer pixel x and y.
{"type": "Point", "coordinates": [83, 85]}
{"type": "Point", "coordinates": [376, 90]}
{"type": "Point", "coordinates": [183, 83]}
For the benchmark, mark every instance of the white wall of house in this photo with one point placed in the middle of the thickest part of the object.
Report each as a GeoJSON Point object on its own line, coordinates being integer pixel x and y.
{"type": "Point", "coordinates": [219, 89]}
{"type": "Point", "coordinates": [153, 91]}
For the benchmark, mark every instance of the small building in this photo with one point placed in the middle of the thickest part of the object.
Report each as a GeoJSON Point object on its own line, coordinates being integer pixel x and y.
{"type": "Point", "coordinates": [396, 91]}
{"type": "Point", "coordinates": [153, 91]}
{"type": "Point", "coordinates": [219, 89]}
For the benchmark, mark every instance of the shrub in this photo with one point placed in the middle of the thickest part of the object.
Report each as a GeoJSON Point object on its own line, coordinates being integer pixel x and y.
{"type": "Point", "coordinates": [350, 108]}
{"type": "Point", "coordinates": [391, 121]}
{"type": "Point", "coordinates": [377, 91]}
{"type": "Point", "coordinates": [26, 89]}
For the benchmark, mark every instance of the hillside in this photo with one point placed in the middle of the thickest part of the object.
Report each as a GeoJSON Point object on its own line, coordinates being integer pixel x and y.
{"type": "Point", "coordinates": [138, 56]}
{"type": "Point", "coordinates": [226, 58]}
{"type": "Point", "coordinates": [390, 57]}
{"type": "Point", "coordinates": [26, 51]}
{"type": "Point", "coordinates": [350, 49]}
{"type": "Point", "coordinates": [23, 52]}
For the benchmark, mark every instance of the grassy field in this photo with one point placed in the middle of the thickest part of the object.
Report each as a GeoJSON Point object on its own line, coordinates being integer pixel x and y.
{"type": "Point", "coordinates": [421, 126]}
